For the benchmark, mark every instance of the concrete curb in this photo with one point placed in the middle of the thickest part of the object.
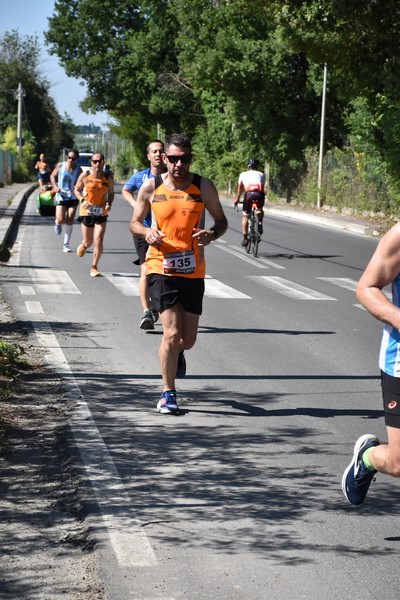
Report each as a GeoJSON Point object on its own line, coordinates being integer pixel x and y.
{"type": "Point", "coordinates": [13, 212]}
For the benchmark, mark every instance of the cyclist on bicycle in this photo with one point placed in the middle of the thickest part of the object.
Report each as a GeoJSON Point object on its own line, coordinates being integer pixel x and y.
{"type": "Point", "coordinates": [252, 183]}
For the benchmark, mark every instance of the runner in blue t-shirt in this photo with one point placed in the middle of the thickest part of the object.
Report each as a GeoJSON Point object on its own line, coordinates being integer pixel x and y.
{"type": "Point", "coordinates": [155, 150]}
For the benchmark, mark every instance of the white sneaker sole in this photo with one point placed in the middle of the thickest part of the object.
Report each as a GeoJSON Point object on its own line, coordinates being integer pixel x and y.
{"type": "Point", "coordinates": [163, 410]}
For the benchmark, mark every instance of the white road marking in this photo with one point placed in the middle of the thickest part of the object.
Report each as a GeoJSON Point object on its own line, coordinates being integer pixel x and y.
{"type": "Point", "coordinates": [243, 256]}
{"type": "Point", "coordinates": [216, 289]}
{"type": "Point", "coordinates": [351, 284]}
{"type": "Point", "coordinates": [260, 262]}
{"type": "Point", "coordinates": [359, 306]}
{"type": "Point", "coordinates": [343, 282]}
{"type": "Point", "coordinates": [289, 288]}
{"type": "Point", "coordinates": [52, 281]}
{"type": "Point", "coordinates": [34, 307]}
{"type": "Point", "coordinates": [130, 543]}
{"type": "Point", "coordinates": [26, 290]}
{"type": "Point", "coordinates": [126, 283]}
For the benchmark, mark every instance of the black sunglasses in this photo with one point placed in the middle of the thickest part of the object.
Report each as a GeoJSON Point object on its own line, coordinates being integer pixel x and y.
{"type": "Point", "coordinates": [185, 158]}
{"type": "Point", "coordinates": [71, 157]}
{"type": "Point", "coordinates": [96, 162]}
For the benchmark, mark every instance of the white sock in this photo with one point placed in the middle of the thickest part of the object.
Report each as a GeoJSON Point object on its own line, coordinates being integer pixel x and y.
{"type": "Point", "coordinates": [67, 234]}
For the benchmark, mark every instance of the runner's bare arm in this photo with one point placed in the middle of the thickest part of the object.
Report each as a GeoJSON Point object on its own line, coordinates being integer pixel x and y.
{"type": "Point", "coordinates": [78, 189]}
{"type": "Point", "coordinates": [382, 269]}
{"type": "Point", "coordinates": [110, 197]}
{"type": "Point", "coordinates": [142, 208]}
{"type": "Point", "coordinates": [53, 177]}
{"type": "Point", "coordinates": [129, 197]}
{"type": "Point", "coordinates": [213, 205]}
{"type": "Point", "coordinates": [240, 189]}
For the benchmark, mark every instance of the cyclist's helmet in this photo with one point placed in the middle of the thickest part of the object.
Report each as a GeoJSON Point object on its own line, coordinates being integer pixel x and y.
{"type": "Point", "coordinates": [252, 163]}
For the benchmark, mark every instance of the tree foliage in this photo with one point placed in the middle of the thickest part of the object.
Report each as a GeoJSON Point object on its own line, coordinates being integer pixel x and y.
{"type": "Point", "coordinates": [359, 41]}
{"type": "Point", "coordinates": [20, 63]}
{"type": "Point", "coordinates": [242, 78]}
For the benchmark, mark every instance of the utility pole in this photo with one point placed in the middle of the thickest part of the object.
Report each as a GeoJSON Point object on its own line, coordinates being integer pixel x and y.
{"type": "Point", "coordinates": [322, 138]}
{"type": "Point", "coordinates": [20, 141]}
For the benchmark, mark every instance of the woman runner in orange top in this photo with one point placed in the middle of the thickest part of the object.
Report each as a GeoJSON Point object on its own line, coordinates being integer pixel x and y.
{"type": "Point", "coordinates": [95, 193]}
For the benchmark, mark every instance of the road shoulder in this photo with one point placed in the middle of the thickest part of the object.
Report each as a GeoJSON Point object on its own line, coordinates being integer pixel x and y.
{"type": "Point", "coordinates": [45, 551]}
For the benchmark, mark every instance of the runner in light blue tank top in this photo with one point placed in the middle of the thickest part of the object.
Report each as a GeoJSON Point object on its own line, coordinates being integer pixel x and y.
{"type": "Point", "coordinates": [63, 180]}
{"type": "Point", "coordinates": [370, 456]}
{"type": "Point", "coordinates": [389, 356]}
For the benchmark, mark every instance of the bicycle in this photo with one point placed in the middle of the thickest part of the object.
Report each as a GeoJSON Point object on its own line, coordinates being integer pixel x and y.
{"type": "Point", "coordinates": [253, 231]}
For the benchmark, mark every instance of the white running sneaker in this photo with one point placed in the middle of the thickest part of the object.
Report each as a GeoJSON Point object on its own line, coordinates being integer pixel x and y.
{"type": "Point", "coordinates": [167, 404]}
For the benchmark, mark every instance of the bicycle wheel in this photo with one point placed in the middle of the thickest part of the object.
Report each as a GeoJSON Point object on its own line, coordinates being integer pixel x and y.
{"type": "Point", "coordinates": [256, 238]}
{"type": "Point", "coordinates": [249, 234]}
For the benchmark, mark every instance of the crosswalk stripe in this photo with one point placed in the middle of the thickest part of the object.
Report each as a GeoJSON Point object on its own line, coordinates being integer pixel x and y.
{"type": "Point", "coordinates": [351, 284]}
{"type": "Point", "coordinates": [359, 306]}
{"type": "Point", "coordinates": [26, 290]}
{"type": "Point", "coordinates": [52, 281]}
{"type": "Point", "coordinates": [126, 283]}
{"type": "Point", "coordinates": [343, 282]}
{"type": "Point", "coordinates": [34, 308]}
{"type": "Point", "coordinates": [289, 288]}
{"type": "Point", "coordinates": [216, 289]}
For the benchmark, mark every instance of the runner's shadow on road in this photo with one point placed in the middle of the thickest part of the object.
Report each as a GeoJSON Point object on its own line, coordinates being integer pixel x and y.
{"type": "Point", "coordinates": [257, 485]}
{"type": "Point", "coordinates": [291, 256]}
{"type": "Point", "coordinates": [210, 329]}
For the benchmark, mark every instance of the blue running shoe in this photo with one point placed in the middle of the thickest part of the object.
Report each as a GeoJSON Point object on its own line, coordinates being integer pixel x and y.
{"type": "Point", "coordinates": [57, 229]}
{"type": "Point", "coordinates": [357, 477]}
{"type": "Point", "coordinates": [167, 404]}
{"type": "Point", "coordinates": [181, 367]}
{"type": "Point", "coordinates": [154, 315]}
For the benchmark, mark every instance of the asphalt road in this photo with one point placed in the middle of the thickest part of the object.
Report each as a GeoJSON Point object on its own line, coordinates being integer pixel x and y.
{"type": "Point", "coordinates": [240, 496]}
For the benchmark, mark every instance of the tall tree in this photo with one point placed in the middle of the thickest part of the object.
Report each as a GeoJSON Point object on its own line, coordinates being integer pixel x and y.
{"type": "Point", "coordinates": [360, 43]}
{"type": "Point", "coordinates": [187, 65]}
{"type": "Point", "coordinates": [20, 63]}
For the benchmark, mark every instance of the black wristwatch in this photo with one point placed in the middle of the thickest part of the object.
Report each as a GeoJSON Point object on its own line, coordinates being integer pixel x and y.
{"type": "Point", "coordinates": [215, 234]}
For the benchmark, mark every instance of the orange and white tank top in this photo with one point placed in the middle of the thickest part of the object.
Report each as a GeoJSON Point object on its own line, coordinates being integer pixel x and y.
{"type": "Point", "coordinates": [95, 192]}
{"type": "Point", "coordinates": [176, 214]}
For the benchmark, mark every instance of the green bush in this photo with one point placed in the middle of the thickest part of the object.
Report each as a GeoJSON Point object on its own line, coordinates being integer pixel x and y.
{"type": "Point", "coordinates": [352, 180]}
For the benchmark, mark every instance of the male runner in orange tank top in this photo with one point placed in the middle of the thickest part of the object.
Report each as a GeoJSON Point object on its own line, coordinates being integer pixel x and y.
{"type": "Point", "coordinates": [175, 258]}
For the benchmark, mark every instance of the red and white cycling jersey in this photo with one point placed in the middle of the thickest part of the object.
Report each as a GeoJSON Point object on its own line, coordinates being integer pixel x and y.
{"type": "Point", "coordinates": [251, 181]}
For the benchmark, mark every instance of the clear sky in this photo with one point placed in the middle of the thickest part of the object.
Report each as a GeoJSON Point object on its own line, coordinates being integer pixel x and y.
{"type": "Point", "coordinates": [29, 17]}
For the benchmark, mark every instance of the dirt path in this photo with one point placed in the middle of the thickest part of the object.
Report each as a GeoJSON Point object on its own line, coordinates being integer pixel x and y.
{"type": "Point", "coordinates": [44, 551]}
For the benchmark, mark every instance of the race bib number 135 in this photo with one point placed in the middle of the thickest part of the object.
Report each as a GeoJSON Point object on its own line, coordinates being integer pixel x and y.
{"type": "Point", "coordinates": [179, 262]}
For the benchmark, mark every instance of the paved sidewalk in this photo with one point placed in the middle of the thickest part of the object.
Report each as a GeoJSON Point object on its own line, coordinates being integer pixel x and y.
{"type": "Point", "coordinates": [12, 203]}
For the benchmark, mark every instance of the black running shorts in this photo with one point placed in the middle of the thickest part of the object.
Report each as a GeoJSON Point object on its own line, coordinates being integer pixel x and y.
{"type": "Point", "coordinates": [141, 247]}
{"type": "Point", "coordinates": [391, 399]}
{"type": "Point", "coordinates": [67, 203]}
{"type": "Point", "coordinates": [167, 290]}
{"type": "Point", "coordinates": [91, 221]}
